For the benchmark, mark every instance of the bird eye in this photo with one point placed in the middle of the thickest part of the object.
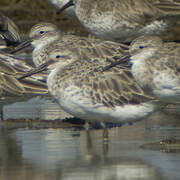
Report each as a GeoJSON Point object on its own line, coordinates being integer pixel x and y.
{"type": "Point", "coordinates": [58, 56]}
{"type": "Point", "coordinates": [42, 32]}
{"type": "Point", "coordinates": [141, 47]}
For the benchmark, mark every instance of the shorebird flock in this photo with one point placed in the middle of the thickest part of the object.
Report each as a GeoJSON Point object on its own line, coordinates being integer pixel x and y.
{"type": "Point", "coordinates": [124, 73]}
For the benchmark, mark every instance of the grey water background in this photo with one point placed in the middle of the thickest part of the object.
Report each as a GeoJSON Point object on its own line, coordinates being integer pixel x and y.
{"type": "Point", "coordinates": [43, 108]}
{"type": "Point", "coordinates": [71, 154]}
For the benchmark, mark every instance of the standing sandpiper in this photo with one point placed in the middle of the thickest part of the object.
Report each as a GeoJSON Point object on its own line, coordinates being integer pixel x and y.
{"type": "Point", "coordinates": [156, 67]}
{"type": "Point", "coordinates": [124, 20]}
{"type": "Point", "coordinates": [87, 89]}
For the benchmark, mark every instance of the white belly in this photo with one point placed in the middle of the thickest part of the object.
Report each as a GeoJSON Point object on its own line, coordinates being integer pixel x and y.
{"type": "Point", "coordinates": [166, 87]}
{"type": "Point", "coordinates": [73, 102]}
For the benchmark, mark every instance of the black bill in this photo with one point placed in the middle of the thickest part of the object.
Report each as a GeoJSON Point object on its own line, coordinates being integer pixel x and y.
{"type": "Point", "coordinates": [21, 46]}
{"type": "Point", "coordinates": [39, 69]}
{"type": "Point", "coordinates": [124, 61]}
{"type": "Point", "coordinates": [67, 5]}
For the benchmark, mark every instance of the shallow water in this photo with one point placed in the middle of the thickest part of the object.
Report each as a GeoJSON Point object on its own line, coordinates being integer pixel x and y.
{"type": "Point", "coordinates": [35, 154]}
{"type": "Point", "coordinates": [42, 108]}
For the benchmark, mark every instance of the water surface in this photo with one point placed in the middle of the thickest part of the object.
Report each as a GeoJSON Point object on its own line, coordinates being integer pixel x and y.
{"type": "Point", "coordinates": [70, 154]}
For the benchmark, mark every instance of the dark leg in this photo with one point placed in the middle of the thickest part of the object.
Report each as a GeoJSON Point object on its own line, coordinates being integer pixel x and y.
{"type": "Point", "coordinates": [2, 115]}
{"type": "Point", "coordinates": [105, 133]}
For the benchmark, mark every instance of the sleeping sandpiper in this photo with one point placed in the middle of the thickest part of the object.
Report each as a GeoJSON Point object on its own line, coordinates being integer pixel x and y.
{"type": "Point", "coordinates": [156, 67]}
{"type": "Point", "coordinates": [124, 20]}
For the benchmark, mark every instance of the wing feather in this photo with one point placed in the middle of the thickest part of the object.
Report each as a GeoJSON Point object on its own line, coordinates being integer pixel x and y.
{"type": "Point", "coordinates": [111, 90]}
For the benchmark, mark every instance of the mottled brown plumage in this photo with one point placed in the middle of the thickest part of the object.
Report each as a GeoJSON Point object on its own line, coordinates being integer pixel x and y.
{"type": "Point", "coordinates": [124, 20]}
{"type": "Point", "coordinates": [112, 87]}
{"type": "Point", "coordinates": [156, 67]}
{"type": "Point", "coordinates": [81, 85]}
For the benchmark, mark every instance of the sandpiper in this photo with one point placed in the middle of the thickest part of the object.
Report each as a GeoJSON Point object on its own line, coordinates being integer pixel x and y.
{"type": "Point", "coordinates": [156, 67]}
{"type": "Point", "coordinates": [58, 4]}
{"type": "Point", "coordinates": [124, 20]}
{"type": "Point", "coordinates": [89, 90]}
{"type": "Point", "coordinates": [9, 31]}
